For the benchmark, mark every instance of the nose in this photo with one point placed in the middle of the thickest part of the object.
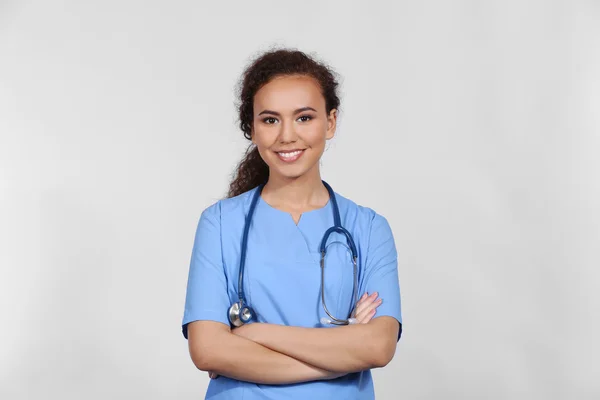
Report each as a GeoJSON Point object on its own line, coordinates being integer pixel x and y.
{"type": "Point", "coordinates": [288, 132]}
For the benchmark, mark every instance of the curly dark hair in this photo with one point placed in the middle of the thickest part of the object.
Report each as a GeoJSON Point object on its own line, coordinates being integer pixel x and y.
{"type": "Point", "coordinates": [252, 170]}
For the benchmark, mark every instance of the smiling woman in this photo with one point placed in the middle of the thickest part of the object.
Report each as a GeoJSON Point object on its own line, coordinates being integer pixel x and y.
{"type": "Point", "coordinates": [284, 257]}
{"type": "Point", "coordinates": [292, 139]}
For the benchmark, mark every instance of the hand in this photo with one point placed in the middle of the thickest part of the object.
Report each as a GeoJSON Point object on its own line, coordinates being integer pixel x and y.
{"type": "Point", "coordinates": [366, 307]}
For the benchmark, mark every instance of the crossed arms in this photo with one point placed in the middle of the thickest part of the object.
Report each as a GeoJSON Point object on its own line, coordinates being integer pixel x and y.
{"type": "Point", "coordinates": [277, 354]}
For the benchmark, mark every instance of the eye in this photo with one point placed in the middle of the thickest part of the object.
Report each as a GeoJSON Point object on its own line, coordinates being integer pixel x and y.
{"type": "Point", "coordinates": [305, 118]}
{"type": "Point", "coordinates": [269, 120]}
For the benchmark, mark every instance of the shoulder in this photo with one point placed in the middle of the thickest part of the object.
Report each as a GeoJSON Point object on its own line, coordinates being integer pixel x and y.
{"type": "Point", "coordinates": [371, 228]}
{"type": "Point", "coordinates": [362, 217]}
{"type": "Point", "coordinates": [227, 208]}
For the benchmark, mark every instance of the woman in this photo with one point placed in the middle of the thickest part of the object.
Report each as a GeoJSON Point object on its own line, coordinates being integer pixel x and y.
{"type": "Point", "coordinates": [275, 333]}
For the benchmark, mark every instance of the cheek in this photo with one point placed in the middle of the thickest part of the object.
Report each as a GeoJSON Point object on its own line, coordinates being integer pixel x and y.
{"type": "Point", "coordinates": [314, 135]}
{"type": "Point", "coordinates": [265, 153]}
{"type": "Point", "coordinates": [264, 143]}
{"type": "Point", "coordinates": [263, 139]}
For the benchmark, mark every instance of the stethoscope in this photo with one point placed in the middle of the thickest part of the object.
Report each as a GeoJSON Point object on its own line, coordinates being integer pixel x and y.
{"type": "Point", "coordinates": [240, 312]}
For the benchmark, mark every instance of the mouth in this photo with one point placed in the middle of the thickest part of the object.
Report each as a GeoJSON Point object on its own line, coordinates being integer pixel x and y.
{"type": "Point", "coordinates": [290, 156]}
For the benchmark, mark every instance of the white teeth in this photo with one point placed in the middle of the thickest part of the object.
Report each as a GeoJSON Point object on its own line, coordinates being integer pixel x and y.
{"type": "Point", "coordinates": [290, 155]}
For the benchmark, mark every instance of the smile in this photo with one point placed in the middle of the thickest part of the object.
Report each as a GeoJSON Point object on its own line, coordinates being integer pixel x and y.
{"type": "Point", "coordinates": [290, 156]}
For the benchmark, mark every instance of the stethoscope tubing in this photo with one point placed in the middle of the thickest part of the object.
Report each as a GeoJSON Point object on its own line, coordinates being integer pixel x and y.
{"type": "Point", "coordinates": [336, 228]}
{"type": "Point", "coordinates": [334, 320]}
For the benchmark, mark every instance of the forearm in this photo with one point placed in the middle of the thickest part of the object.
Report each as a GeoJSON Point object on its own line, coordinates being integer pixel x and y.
{"type": "Point", "coordinates": [341, 349]}
{"type": "Point", "coordinates": [239, 358]}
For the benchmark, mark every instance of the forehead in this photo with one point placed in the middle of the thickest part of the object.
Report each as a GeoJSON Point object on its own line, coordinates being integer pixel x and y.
{"type": "Point", "coordinates": [288, 93]}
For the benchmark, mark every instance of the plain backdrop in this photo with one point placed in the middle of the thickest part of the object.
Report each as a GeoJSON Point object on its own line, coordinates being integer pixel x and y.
{"type": "Point", "coordinates": [472, 126]}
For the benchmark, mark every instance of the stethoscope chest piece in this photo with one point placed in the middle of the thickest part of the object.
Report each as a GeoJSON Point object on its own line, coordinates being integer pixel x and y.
{"type": "Point", "coordinates": [239, 315]}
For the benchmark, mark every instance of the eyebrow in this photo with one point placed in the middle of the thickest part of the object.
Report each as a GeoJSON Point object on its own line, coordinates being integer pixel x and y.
{"type": "Point", "coordinates": [295, 112]}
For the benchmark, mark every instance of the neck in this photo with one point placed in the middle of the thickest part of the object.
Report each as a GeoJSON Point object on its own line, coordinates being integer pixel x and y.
{"type": "Point", "coordinates": [304, 192]}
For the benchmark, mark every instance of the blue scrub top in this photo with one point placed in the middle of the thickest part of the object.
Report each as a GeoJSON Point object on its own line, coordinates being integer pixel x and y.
{"type": "Point", "coordinates": [282, 279]}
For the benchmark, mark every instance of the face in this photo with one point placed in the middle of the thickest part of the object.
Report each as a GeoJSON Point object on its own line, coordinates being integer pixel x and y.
{"type": "Point", "coordinates": [291, 126]}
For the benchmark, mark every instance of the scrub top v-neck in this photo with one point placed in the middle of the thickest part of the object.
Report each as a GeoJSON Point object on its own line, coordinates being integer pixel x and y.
{"type": "Point", "coordinates": [282, 279]}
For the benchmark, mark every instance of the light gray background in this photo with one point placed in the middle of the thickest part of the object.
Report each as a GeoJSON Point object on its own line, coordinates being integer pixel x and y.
{"type": "Point", "coordinates": [472, 126]}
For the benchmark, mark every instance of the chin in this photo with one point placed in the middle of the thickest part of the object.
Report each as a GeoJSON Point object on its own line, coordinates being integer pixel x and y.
{"type": "Point", "coordinates": [289, 176]}
{"type": "Point", "coordinates": [291, 173]}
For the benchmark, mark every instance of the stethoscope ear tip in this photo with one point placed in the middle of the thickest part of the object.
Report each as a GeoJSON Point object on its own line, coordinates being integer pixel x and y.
{"type": "Point", "coordinates": [325, 321]}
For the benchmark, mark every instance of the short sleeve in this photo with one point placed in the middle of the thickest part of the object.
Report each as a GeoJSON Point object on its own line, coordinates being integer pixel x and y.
{"type": "Point", "coordinates": [381, 270]}
{"type": "Point", "coordinates": [206, 295]}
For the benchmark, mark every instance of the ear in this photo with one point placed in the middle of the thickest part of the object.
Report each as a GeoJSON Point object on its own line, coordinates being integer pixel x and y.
{"type": "Point", "coordinates": [252, 135]}
{"type": "Point", "coordinates": [331, 124]}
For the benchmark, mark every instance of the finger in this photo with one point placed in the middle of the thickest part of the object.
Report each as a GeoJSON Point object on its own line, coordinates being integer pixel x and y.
{"type": "Point", "coordinates": [365, 313]}
{"type": "Point", "coordinates": [366, 308]}
{"type": "Point", "coordinates": [362, 305]}
{"type": "Point", "coordinates": [366, 316]}
{"type": "Point", "coordinates": [366, 298]}
{"type": "Point", "coordinates": [369, 316]}
{"type": "Point", "coordinates": [362, 298]}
